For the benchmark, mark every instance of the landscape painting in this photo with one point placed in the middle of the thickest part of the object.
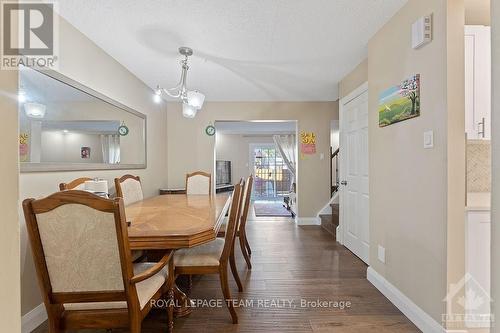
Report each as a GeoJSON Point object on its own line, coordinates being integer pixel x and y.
{"type": "Point", "coordinates": [400, 102]}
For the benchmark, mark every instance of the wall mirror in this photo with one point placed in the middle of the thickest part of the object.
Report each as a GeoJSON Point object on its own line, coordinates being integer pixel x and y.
{"type": "Point", "coordinates": [65, 126]}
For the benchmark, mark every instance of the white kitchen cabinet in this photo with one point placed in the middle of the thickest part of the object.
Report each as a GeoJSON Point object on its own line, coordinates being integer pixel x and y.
{"type": "Point", "coordinates": [478, 82]}
{"type": "Point", "coordinates": [477, 267]}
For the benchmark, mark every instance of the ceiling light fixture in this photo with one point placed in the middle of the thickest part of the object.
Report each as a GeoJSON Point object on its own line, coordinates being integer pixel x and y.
{"type": "Point", "coordinates": [188, 111]}
{"type": "Point", "coordinates": [35, 110]}
{"type": "Point", "coordinates": [192, 100]}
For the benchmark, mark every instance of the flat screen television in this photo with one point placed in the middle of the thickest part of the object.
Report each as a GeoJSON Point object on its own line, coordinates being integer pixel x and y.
{"type": "Point", "coordinates": [223, 172]}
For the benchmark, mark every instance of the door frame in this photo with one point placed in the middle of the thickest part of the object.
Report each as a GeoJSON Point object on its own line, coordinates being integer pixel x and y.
{"type": "Point", "coordinates": [342, 105]}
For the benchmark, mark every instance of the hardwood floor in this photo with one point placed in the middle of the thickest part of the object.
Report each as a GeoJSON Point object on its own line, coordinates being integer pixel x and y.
{"type": "Point", "coordinates": [290, 264]}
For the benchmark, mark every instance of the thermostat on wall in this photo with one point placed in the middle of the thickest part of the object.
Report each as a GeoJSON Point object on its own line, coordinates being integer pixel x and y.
{"type": "Point", "coordinates": [421, 32]}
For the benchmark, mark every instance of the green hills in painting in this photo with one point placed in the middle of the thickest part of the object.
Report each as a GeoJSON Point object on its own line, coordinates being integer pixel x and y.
{"type": "Point", "coordinates": [398, 110]}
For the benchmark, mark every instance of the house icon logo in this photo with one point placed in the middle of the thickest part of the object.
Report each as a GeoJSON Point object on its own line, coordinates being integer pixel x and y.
{"type": "Point", "coordinates": [468, 304]}
{"type": "Point", "coordinates": [29, 31]}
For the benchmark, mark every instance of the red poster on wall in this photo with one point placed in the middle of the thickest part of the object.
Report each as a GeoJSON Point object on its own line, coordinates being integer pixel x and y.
{"type": "Point", "coordinates": [308, 148]}
{"type": "Point", "coordinates": [308, 143]}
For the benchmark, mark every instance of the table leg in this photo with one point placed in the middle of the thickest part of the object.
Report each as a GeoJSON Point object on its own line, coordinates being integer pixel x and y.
{"type": "Point", "coordinates": [183, 305]}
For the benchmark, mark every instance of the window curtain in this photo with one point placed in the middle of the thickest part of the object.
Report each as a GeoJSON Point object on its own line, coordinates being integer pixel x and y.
{"type": "Point", "coordinates": [110, 148]}
{"type": "Point", "coordinates": [286, 146]}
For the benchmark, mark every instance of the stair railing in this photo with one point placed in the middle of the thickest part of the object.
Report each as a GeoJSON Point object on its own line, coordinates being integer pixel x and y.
{"type": "Point", "coordinates": [334, 163]}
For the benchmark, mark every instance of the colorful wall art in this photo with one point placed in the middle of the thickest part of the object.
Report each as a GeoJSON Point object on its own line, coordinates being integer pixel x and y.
{"type": "Point", "coordinates": [85, 152]}
{"type": "Point", "coordinates": [307, 143]}
{"type": "Point", "coordinates": [400, 103]}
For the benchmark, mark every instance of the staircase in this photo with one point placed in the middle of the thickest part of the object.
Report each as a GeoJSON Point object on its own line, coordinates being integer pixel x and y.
{"type": "Point", "coordinates": [330, 222]}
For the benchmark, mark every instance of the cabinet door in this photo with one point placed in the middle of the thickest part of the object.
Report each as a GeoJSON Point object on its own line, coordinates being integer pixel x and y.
{"type": "Point", "coordinates": [478, 82]}
{"type": "Point", "coordinates": [470, 127]}
{"type": "Point", "coordinates": [477, 283]}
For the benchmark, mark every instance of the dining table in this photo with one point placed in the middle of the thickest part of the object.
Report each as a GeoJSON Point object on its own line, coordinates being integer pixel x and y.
{"type": "Point", "coordinates": [176, 221]}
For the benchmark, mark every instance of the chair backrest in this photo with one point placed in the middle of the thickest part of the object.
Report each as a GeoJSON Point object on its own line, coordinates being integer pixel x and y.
{"type": "Point", "coordinates": [77, 184]}
{"type": "Point", "coordinates": [80, 245]}
{"type": "Point", "coordinates": [234, 215]}
{"type": "Point", "coordinates": [198, 182]}
{"type": "Point", "coordinates": [129, 188]}
{"type": "Point", "coordinates": [246, 202]}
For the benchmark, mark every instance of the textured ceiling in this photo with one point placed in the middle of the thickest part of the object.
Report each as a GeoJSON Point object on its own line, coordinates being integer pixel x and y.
{"type": "Point", "coordinates": [245, 50]}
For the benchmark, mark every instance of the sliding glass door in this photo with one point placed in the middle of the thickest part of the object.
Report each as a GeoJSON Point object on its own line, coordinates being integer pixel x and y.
{"type": "Point", "coordinates": [272, 177]}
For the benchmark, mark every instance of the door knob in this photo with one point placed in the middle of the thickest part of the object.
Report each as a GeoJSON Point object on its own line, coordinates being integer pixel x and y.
{"type": "Point", "coordinates": [344, 182]}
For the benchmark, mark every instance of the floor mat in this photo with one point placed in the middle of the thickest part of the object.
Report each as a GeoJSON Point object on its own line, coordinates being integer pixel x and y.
{"type": "Point", "coordinates": [270, 209]}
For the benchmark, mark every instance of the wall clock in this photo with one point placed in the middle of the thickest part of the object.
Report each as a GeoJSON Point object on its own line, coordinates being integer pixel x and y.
{"type": "Point", "coordinates": [210, 130]}
{"type": "Point", "coordinates": [123, 130]}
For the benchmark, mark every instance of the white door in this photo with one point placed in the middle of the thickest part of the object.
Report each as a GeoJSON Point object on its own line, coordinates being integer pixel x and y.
{"type": "Point", "coordinates": [354, 173]}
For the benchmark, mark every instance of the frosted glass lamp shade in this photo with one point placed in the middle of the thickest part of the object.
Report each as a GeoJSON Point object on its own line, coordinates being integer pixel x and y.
{"type": "Point", "coordinates": [188, 111]}
{"type": "Point", "coordinates": [195, 99]}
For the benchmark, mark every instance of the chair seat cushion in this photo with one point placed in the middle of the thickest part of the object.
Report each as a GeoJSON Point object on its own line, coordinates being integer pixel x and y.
{"type": "Point", "coordinates": [145, 291]}
{"type": "Point", "coordinates": [202, 255]}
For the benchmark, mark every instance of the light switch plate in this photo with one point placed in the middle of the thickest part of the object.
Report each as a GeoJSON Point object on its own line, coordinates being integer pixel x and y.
{"type": "Point", "coordinates": [381, 254]}
{"type": "Point", "coordinates": [428, 139]}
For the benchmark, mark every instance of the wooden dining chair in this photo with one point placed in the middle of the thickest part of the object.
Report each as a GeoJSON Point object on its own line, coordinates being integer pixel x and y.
{"type": "Point", "coordinates": [241, 233]}
{"type": "Point", "coordinates": [213, 257]}
{"type": "Point", "coordinates": [82, 256]}
{"type": "Point", "coordinates": [198, 182]}
{"type": "Point", "coordinates": [129, 188]}
{"type": "Point", "coordinates": [77, 184]}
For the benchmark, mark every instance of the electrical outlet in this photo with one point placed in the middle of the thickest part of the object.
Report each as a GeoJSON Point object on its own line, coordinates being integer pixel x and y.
{"type": "Point", "coordinates": [381, 254]}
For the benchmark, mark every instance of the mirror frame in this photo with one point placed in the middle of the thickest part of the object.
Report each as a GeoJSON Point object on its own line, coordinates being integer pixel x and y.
{"type": "Point", "coordinates": [26, 167]}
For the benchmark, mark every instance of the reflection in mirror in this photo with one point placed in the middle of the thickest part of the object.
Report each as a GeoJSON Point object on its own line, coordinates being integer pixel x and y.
{"type": "Point", "coordinates": [66, 126]}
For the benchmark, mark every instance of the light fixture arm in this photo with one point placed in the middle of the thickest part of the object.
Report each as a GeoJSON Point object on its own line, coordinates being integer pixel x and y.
{"type": "Point", "coordinates": [192, 100]}
{"type": "Point", "coordinates": [180, 90]}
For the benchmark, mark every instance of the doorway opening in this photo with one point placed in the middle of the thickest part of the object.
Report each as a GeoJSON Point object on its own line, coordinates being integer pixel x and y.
{"type": "Point", "coordinates": [477, 268]}
{"type": "Point", "coordinates": [267, 150]}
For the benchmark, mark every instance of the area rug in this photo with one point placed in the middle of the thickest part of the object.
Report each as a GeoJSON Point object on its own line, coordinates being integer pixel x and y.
{"type": "Point", "coordinates": [270, 209]}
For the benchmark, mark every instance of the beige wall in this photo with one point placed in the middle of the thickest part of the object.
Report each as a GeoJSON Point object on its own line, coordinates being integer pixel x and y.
{"type": "Point", "coordinates": [477, 12]}
{"type": "Point", "coordinates": [83, 61]}
{"type": "Point", "coordinates": [409, 206]}
{"type": "Point", "coordinates": [495, 150]}
{"type": "Point", "coordinates": [456, 148]}
{"type": "Point", "coordinates": [190, 149]}
{"type": "Point", "coordinates": [10, 304]}
{"type": "Point", "coordinates": [354, 79]}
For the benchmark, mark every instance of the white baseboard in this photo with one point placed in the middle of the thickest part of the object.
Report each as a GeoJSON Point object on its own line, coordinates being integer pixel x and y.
{"type": "Point", "coordinates": [33, 319]}
{"type": "Point", "coordinates": [308, 221]}
{"type": "Point", "coordinates": [419, 317]}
